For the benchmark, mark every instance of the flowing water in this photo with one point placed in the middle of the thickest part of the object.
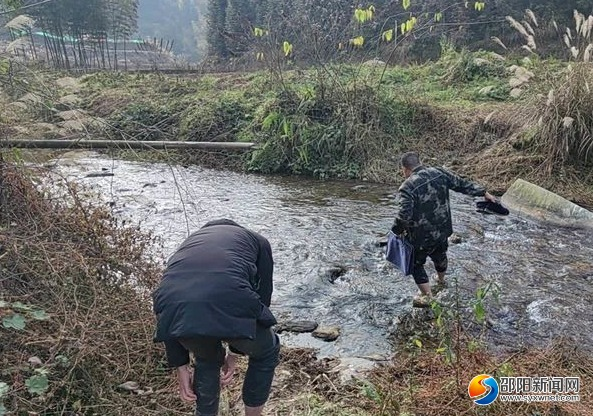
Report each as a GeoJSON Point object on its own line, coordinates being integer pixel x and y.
{"type": "Point", "coordinates": [545, 274]}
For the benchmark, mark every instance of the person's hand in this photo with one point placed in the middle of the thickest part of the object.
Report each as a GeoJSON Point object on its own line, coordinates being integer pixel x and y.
{"type": "Point", "coordinates": [228, 369]}
{"type": "Point", "coordinates": [185, 376]}
{"type": "Point", "coordinates": [397, 228]}
{"type": "Point", "coordinates": [490, 197]}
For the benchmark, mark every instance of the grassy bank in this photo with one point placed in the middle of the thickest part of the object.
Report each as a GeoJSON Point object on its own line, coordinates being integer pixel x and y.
{"type": "Point", "coordinates": [343, 122]}
{"type": "Point", "coordinates": [476, 112]}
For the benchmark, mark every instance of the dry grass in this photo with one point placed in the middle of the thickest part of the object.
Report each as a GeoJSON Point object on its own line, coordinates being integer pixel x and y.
{"type": "Point", "coordinates": [72, 261]}
{"type": "Point", "coordinates": [560, 123]}
{"type": "Point", "coordinates": [564, 121]}
{"type": "Point", "coordinates": [422, 384]}
{"type": "Point", "coordinates": [549, 142]}
{"type": "Point", "coordinates": [303, 385]}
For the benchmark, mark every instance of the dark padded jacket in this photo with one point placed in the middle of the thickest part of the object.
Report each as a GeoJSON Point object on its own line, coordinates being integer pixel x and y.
{"type": "Point", "coordinates": [423, 207]}
{"type": "Point", "coordinates": [217, 284]}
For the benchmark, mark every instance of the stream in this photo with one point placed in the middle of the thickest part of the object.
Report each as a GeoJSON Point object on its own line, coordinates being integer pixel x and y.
{"type": "Point", "coordinates": [544, 273]}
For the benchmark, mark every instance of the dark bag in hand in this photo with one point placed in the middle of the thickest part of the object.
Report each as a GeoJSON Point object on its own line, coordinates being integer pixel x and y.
{"type": "Point", "coordinates": [488, 207]}
{"type": "Point", "coordinates": [400, 253]}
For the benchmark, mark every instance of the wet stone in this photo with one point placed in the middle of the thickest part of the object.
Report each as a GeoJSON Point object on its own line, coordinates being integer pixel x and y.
{"type": "Point", "coordinates": [296, 326]}
{"type": "Point", "coordinates": [327, 333]}
{"type": "Point", "coordinates": [359, 187]}
{"type": "Point", "coordinates": [455, 239]}
{"type": "Point", "coordinates": [98, 174]}
{"type": "Point", "coordinates": [533, 201]}
{"type": "Point", "coordinates": [382, 242]}
{"type": "Point", "coordinates": [477, 229]}
{"type": "Point", "coordinates": [335, 272]}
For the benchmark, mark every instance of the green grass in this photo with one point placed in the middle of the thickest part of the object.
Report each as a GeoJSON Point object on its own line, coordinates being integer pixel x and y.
{"type": "Point", "coordinates": [334, 121]}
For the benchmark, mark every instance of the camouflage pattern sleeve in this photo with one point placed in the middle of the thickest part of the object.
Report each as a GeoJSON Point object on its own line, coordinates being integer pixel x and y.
{"type": "Point", "coordinates": [459, 184]}
{"type": "Point", "coordinates": [405, 211]}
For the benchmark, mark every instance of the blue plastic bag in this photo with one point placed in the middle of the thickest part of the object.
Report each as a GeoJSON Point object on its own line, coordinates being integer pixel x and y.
{"type": "Point", "coordinates": [400, 253]}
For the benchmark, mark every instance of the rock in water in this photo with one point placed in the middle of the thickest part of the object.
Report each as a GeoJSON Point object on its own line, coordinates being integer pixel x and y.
{"type": "Point", "coordinates": [328, 333]}
{"type": "Point", "coordinates": [335, 272]}
{"type": "Point", "coordinates": [296, 326]}
{"type": "Point", "coordinates": [533, 201]}
{"type": "Point", "coordinates": [359, 187]}
{"type": "Point", "coordinates": [382, 242]}
{"type": "Point", "coordinates": [99, 174]}
{"type": "Point", "coordinates": [455, 239]}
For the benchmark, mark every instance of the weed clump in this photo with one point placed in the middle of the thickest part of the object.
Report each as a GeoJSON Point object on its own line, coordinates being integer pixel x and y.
{"type": "Point", "coordinates": [564, 120]}
{"type": "Point", "coordinates": [466, 66]}
{"type": "Point", "coordinates": [560, 123]}
{"type": "Point", "coordinates": [74, 327]}
{"type": "Point", "coordinates": [342, 131]}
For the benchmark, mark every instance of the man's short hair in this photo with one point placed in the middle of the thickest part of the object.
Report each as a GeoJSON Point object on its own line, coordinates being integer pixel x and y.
{"type": "Point", "coordinates": [410, 160]}
{"type": "Point", "coordinates": [222, 221]}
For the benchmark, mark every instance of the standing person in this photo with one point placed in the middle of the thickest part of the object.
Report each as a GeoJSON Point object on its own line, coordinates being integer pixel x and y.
{"type": "Point", "coordinates": [217, 288]}
{"type": "Point", "coordinates": [424, 216]}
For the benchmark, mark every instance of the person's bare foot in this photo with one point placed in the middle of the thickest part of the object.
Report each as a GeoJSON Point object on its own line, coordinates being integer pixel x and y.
{"type": "Point", "coordinates": [422, 301]}
{"type": "Point", "coordinates": [440, 281]}
{"type": "Point", "coordinates": [253, 411]}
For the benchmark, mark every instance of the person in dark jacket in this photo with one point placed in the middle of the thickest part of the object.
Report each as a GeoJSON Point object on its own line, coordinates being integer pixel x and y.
{"type": "Point", "coordinates": [424, 216]}
{"type": "Point", "coordinates": [217, 288]}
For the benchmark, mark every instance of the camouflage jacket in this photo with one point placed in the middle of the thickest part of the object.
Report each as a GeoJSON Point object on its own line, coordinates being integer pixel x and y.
{"type": "Point", "coordinates": [423, 208]}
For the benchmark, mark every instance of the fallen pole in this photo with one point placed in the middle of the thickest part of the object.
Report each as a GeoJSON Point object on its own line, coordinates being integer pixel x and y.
{"type": "Point", "coordinates": [122, 144]}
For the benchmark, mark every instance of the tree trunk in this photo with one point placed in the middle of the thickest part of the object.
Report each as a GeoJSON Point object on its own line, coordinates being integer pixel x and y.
{"type": "Point", "coordinates": [96, 54]}
{"type": "Point", "coordinates": [47, 51]}
{"type": "Point", "coordinates": [56, 52]}
{"type": "Point", "coordinates": [33, 47]}
{"type": "Point", "coordinates": [115, 51]}
{"type": "Point", "coordinates": [83, 51]}
{"type": "Point", "coordinates": [102, 47]}
{"type": "Point", "coordinates": [108, 54]}
{"type": "Point", "coordinates": [64, 50]}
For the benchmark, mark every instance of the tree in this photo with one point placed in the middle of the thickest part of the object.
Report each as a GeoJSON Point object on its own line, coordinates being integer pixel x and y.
{"type": "Point", "coordinates": [79, 33]}
{"type": "Point", "coordinates": [321, 30]}
{"type": "Point", "coordinates": [181, 21]}
{"type": "Point", "coordinates": [216, 26]}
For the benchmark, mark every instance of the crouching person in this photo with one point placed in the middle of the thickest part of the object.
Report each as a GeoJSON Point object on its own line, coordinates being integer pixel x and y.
{"type": "Point", "coordinates": [216, 290]}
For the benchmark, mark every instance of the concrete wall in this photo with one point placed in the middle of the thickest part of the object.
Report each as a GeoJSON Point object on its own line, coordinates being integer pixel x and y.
{"type": "Point", "coordinates": [525, 198]}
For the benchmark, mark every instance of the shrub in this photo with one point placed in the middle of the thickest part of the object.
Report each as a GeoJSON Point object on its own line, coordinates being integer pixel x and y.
{"type": "Point", "coordinates": [215, 118]}
{"type": "Point", "coordinates": [564, 118]}
{"type": "Point", "coordinates": [145, 121]}
{"type": "Point", "coordinates": [464, 66]}
{"type": "Point", "coordinates": [329, 131]}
